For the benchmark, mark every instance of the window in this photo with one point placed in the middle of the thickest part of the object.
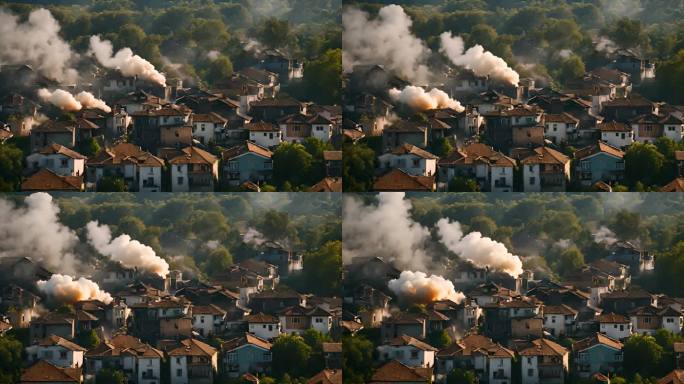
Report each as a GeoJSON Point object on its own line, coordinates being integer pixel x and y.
{"type": "Point", "coordinates": [62, 355]}
{"type": "Point", "coordinates": [530, 372]}
{"type": "Point", "coordinates": [530, 168]}
{"type": "Point", "coordinates": [532, 180]}
{"type": "Point", "coordinates": [414, 354]}
{"type": "Point", "coordinates": [65, 163]}
{"type": "Point", "coordinates": [179, 372]}
{"type": "Point", "coordinates": [180, 181]}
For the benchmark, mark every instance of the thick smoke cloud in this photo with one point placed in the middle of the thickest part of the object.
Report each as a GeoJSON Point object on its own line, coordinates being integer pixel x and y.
{"type": "Point", "coordinates": [65, 289]}
{"type": "Point", "coordinates": [481, 251]}
{"type": "Point", "coordinates": [419, 288]}
{"type": "Point", "coordinates": [125, 61]}
{"type": "Point", "coordinates": [88, 100]}
{"type": "Point", "coordinates": [254, 238]}
{"type": "Point", "coordinates": [605, 236]}
{"type": "Point", "coordinates": [34, 231]}
{"type": "Point", "coordinates": [476, 59]}
{"type": "Point", "coordinates": [36, 42]}
{"type": "Point", "coordinates": [130, 253]}
{"type": "Point", "coordinates": [386, 40]}
{"type": "Point", "coordinates": [61, 99]}
{"type": "Point", "coordinates": [417, 98]}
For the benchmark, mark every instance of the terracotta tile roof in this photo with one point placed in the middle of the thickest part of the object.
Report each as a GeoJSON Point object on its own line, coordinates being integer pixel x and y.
{"type": "Point", "coordinates": [674, 377]}
{"type": "Point", "coordinates": [247, 338]}
{"type": "Point", "coordinates": [126, 153]}
{"type": "Point", "coordinates": [353, 134]}
{"type": "Point", "coordinates": [261, 318]}
{"type": "Point", "coordinates": [405, 126]}
{"type": "Point", "coordinates": [671, 120]}
{"type": "Point", "coordinates": [54, 340]}
{"type": "Point", "coordinates": [477, 153]}
{"type": "Point", "coordinates": [396, 372]}
{"type": "Point", "coordinates": [399, 180]}
{"type": "Point", "coordinates": [406, 149]}
{"type": "Point", "coordinates": [676, 185]}
{"type": "Point", "coordinates": [194, 155]}
{"type": "Point", "coordinates": [193, 347]}
{"type": "Point", "coordinates": [614, 126]}
{"type": "Point", "coordinates": [210, 309]}
{"type": "Point", "coordinates": [595, 339]}
{"type": "Point", "coordinates": [327, 376]}
{"type": "Point", "coordinates": [54, 126]}
{"type": "Point", "coordinates": [337, 155]}
{"type": "Point", "coordinates": [208, 118]}
{"type": "Point", "coordinates": [45, 372]}
{"type": "Point", "coordinates": [246, 147]}
{"type": "Point", "coordinates": [405, 340]}
{"type": "Point", "coordinates": [559, 310]}
{"type": "Point", "coordinates": [543, 347]}
{"type": "Point", "coordinates": [4, 327]}
{"type": "Point", "coordinates": [546, 155]}
{"type": "Point", "coordinates": [476, 344]}
{"type": "Point", "coordinates": [86, 124]}
{"type": "Point", "coordinates": [328, 184]}
{"type": "Point", "coordinates": [633, 101]}
{"type": "Point", "coordinates": [597, 148]}
{"type": "Point", "coordinates": [54, 149]}
{"type": "Point", "coordinates": [612, 318]}
{"type": "Point", "coordinates": [124, 345]}
{"type": "Point", "coordinates": [560, 118]}
{"type": "Point", "coordinates": [261, 126]}
{"type": "Point", "coordinates": [319, 120]}
{"type": "Point", "coordinates": [47, 180]}
{"type": "Point", "coordinates": [679, 155]}
{"type": "Point", "coordinates": [272, 102]}
{"type": "Point", "coordinates": [4, 134]}
{"type": "Point", "coordinates": [332, 347]}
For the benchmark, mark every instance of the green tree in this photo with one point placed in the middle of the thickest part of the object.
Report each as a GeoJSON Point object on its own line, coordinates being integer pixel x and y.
{"type": "Point", "coordinates": [90, 147]}
{"type": "Point", "coordinates": [461, 376]}
{"type": "Point", "coordinates": [10, 359]}
{"type": "Point", "coordinates": [88, 339]}
{"type": "Point", "coordinates": [358, 168]}
{"type": "Point", "coordinates": [275, 225]}
{"type": "Point", "coordinates": [218, 261]}
{"type": "Point", "coordinates": [439, 339]}
{"type": "Point", "coordinates": [627, 33]}
{"type": "Point", "coordinates": [642, 354]}
{"type": "Point", "coordinates": [643, 163]}
{"type": "Point", "coordinates": [290, 356]}
{"type": "Point", "coordinates": [463, 184]}
{"type": "Point", "coordinates": [111, 184]}
{"type": "Point", "coordinates": [570, 260]}
{"type": "Point", "coordinates": [626, 225]}
{"type": "Point", "coordinates": [292, 163]}
{"type": "Point", "coordinates": [11, 166]}
{"type": "Point", "coordinates": [571, 68]}
{"type": "Point", "coordinates": [219, 70]}
{"type": "Point", "coordinates": [357, 359]}
{"type": "Point", "coordinates": [323, 78]}
{"type": "Point", "coordinates": [323, 269]}
{"type": "Point", "coordinates": [669, 268]}
{"type": "Point", "coordinates": [110, 376]}
{"type": "Point", "coordinates": [275, 33]}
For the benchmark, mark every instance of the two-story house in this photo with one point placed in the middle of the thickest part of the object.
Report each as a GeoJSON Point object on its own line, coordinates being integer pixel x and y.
{"type": "Point", "coordinates": [208, 320]}
{"type": "Point", "coordinates": [264, 326]}
{"type": "Point", "coordinates": [193, 361]}
{"type": "Point", "coordinates": [599, 162]}
{"type": "Point", "coordinates": [545, 170]}
{"type": "Point", "coordinates": [543, 361]}
{"type": "Point", "coordinates": [246, 162]}
{"type": "Point", "coordinates": [193, 170]}
{"type": "Point", "coordinates": [411, 159]}
{"type": "Point", "coordinates": [57, 158]}
{"type": "Point", "coordinates": [616, 134]}
{"type": "Point", "coordinates": [58, 351]}
{"type": "Point", "coordinates": [246, 354]}
{"type": "Point", "coordinates": [409, 351]}
{"type": "Point", "coordinates": [597, 354]}
{"type": "Point", "coordinates": [140, 170]}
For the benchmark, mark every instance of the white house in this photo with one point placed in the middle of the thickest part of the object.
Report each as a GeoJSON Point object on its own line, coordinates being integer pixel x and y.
{"type": "Point", "coordinates": [615, 326]}
{"type": "Point", "coordinates": [58, 351]}
{"type": "Point", "coordinates": [559, 128]}
{"type": "Point", "coordinates": [499, 367]}
{"type": "Point", "coordinates": [321, 320]}
{"type": "Point", "coordinates": [264, 326]}
{"type": "Point", "coordinates": [559, 319]}
{"type": "Point", "coordinates": [193, 362]}
{"type": "Point", "coordinates": [673, 128]}
{"type": "Point", "coordinates": [139, 361]}
{"type": "Point", "coordinates": [193, 170]}
{"type": "Point", "coordinates": [207, 320]}
{"type": "Point", "coordinates": [672, 320]}
{"type": "Point", "coordinates": [545, 170]}
{"type": "Point", "coordinates": [264, 134]}
{"type": "Point", "coordinates": [409, 351]}
{"type": "Point", "coordinates": [618, 135]}
{"type": "Point", "coordinates": [57, 158]}
{"type": "Point", "coordinates": [206, 128]}
{"type": "Point", "coordinates": [543, 361]}
{"type": "Point", "coordinates": [141, 170]}
{"type": "Point", "coordinates": [492, 170]}
{"type": "Point", "coordinates": [321, 128]}
{"type": "Point", "coordinates": [411, 159]}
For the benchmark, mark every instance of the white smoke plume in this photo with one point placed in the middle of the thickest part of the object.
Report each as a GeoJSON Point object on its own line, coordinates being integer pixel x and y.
{"type": "Point", "coordinates": [417, 98]}
{"type": "Point", "coordinates": [254, 46]}
{"type": "Point", "coordinates": [30, 121]}
{"type": "Point", "coordinates": [386, 230]}
{"type": "Point", "coordinates": [213, 55]}
{"type": "Point", "coordinates": [605, 236]}
{"type": "Point", "coordinates": [476, 59]}
{"type": "Point", "coordinates": [254, 237]}
{"type": "Point", "coordinates": [88, 100]}
{"type": "Point", "coordinates": [36, 42]}
{"type": "Point", "coordinates": [130, 253]}
{"type": "Point", "coordinates": [212, 244]}
{"type": "Point", "coordinates": [419, 288]}
{"type": "Point", "coordinates": [565, 53]}
{"type": "Point", "coordinates": [60, 98]}
{"type": "Point", "coordinates": [480, 250]}
{"type": "Point", "coordinates": [386, 40]}
{"type": "Point", "coordinates": [65, 289]}
{"type": "Point", "coordinates": [563, 243]}
{"type": "Point", "coordinates": [34, 231]}
{"type": "Point", "coordinates": [606, 45]}
{"type": "Point", "coordinates": [124, 60]}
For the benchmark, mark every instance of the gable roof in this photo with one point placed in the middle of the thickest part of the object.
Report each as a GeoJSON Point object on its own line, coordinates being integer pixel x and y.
{"type": "Point", "coordinates": [396, 372]}
{"type": "Point", "coordinates": [57, 149]}
{"type": "Point", "coordinates": [614, 126]}
{"type": "Point", "coordinates": [546, 155]}
{"type": "Point", "coordinates": [327, 376]}
{"type": "Point", "coordinates": [612, 318]}
{"type": "Point", "coordinates": [477, 153]}
{"type": "Point", "coordinates": [560, 118]}
{"type": "Point", "coordinates": [399, 180]}
{"type": "Point", "coordinates": [193, 347]}
{"type": "Point", "coordinates": [45, 372]}
{"type": "Point", "coordinates": [559, 310]}
{"type": "Point", "coordinates": [261, 318]}
{"type": "Point", "coordinates": [405, 340]}
{"type": "Point", "coordinates": [407, 149]}
{"type": "Point", "coordinates": [247, 338]}
{"type": "Point", "coordinates": [194, 155]}
{"type": "Point", "coordinates": [126, 153]}
{"type": "Point", "coordinates": [54, 340]}
{"type": "Point", "coordinates": [261, 126]}
{"type": "Point", "coordinates": [543, 347]}
{"type": "Point", "coordinates": [210, 309]}
{"type": "Point", "coordinates": [599, 147]}
{"type": "Point", "coordinates": [328, 184]}
{"type": "Point", "coordinates": [246, 147]}
{"type": "Point", "coordinates": [210, 117]}
{"type": "Point", "coordinates": [47, 180]}
{"type": "Point", "coordinates": [596, 339]}
{"type": "Point", "coordinates": [676, 185]}
{"type": "Point", "coordinates": [674, 377]}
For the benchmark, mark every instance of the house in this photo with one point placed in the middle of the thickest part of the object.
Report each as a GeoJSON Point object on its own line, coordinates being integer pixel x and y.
{"type": "Point", "coordinates": [246, 162]}
{"type": "Point", "coordinates": [492, 170]}
{"type": "Point", "coordinates": [673, 127]}
{"type": "Point", "coordinates": [333, 355]}
{"type": "Point", "coordinates": [409, 158]}
{"type": "Point", "coordinates": [140, 101]}
{"type": "Point", "coordinates": [193, 170]}
{"type": "Point", "coordinates": [559, 320]}
{"type": "Point", "coordinates": [404, 132]}
{"type": "Point", "coordinates": [396, 372]}
{"type": "Point", "coordinates": [491, 362]}
{"type": "Point", "coordinates": [264, 134]}
{"type": "Point", "coordinates": [676, 185]}
{"type": "Point", "coordinates": [168, 126]}
{"type": "Point", "coordinates": [246, 354]}
{"type": "Point", "coordinates": [45, 372]}
{"type": "Point", "coordinates": [287, 68]}
{"type": "Point", "coordinates": [597, 354]}
{"type": "Point", "coordinates": [672, 319]}
{"type": "Point", "coordinates": [674, 377]}
{"type": "Point", "coordinates": [519, 317]}
{"type": "Point", "coordinates": [57, 158]}
{"type": "Point", "coordinates": [408, 351]}
{"type": "Point", "coordinates": [615, 326]}
{"type": "Point", "coordinates": [627, 108]}
{"type": "Point", "coordinates": [501, 124]}
{"type": "Point", "coordinates": [263, 326]}
{"type": "Point", "coordinates": [139, 361]}
{"type": "Point", "coordinates": [53, 323]}
{"type": "Point", "coordinates": [59, 132]}
{"type": "Point", "coordinates": [193, 362]}
{"type": "Point", "coordinates": [623, 302]}
{"type": "Point", "coordinates": [543, 361]}
{"type": "Point", "coordinates": [630, 62]}
{"type": "Point", "coordinates": [47, 180]}
{"type": "Point", "coordinates": [616, 134]}
{"type": "Point", "coordinates": [645, 320]}
{"type": "Point", "coordinates": [404, 324]}
{"type": "Point", "coordinates": [140, 170]}
{"type": "Point", "coordinates": [273, 109]}
{"type": "Point", "coordinates": [647, 128]}
{"type": "Point", "coordinates": [638, 260]}
{"type": "Point", "coordinates": [207, 320]}
{"type": "Point", "coordinates": [295, 128]}
{"type": "Point", "coordinates": [321, 319]}
{"type": "Point", "coordinates": [17, 304]}
{"type": "Point", "coordinates": [527, 136]}
{"type": "Point", "coordinates": [333, 163]}
{"type": "Point", "coordinates": [599, 162]}
{"type": "Point", "coordinates": [274, 253]}
{"type": "Point", "coordinates": [295, 320]}
{"type": "Point", "coordinates": [276, 300]}
{"type": "Point", "coordinates": [327, 376]}
{"type": "Point", "coordinates": [56, 350]}
{"type": "Point", "coordinates": [545, 170]}
{"type": "Point", "coordinates": [398, 180]}
{"type": "Point", "coordinates": [322, 128]}
{"type": "Point", "coordinates": [207, 127]}
{"type": "Point", "coordinates": [560, 128]}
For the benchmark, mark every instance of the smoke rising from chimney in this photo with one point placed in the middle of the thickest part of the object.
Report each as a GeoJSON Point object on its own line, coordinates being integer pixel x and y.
{"type": "Point", "coordinates": [61, 99]}
{"type": "Point", "coordinates": [386, 40]}
{"type": "Point", "coordinates": [34, 231]}
{"type": "Point", "coordinates": [88, 100]}
{"type": "Point", "coordinates": [36, 42]}
{"type": "Point", "coordinates": [417, 98]}
{"type": "Point", "coordinates": [605, 236]}
{"type": "Point", "coordinates": [65, 289]}
{"type": "Point", "coordinates": [130, 253]}
{"type": "Point", "coordinates": [124, 60]}
{"type": "Point", "coordinates": [254, 237]}
{"type": "Point", "coordinates": [476, 59]}
{"type": "Point", "coordinates": [419, 288]}
{"type": "Point", "coordinates": [481, 251]}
